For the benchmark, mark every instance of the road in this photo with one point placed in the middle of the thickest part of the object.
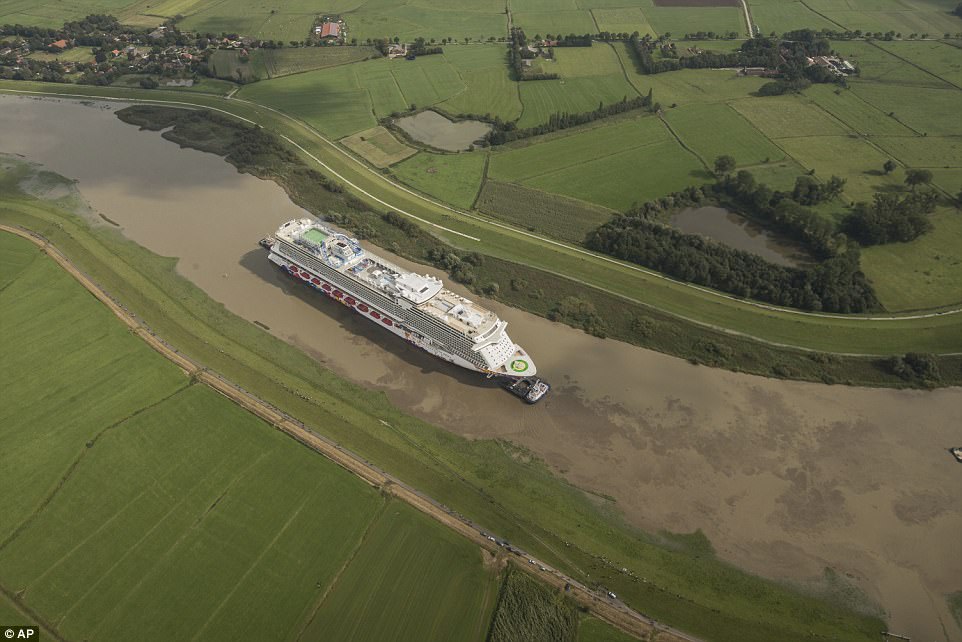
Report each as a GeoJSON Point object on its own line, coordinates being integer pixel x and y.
{"type": "Point", "coordinates": [781, 325]}
{"type": "Point", "coordinates": [599, 604]}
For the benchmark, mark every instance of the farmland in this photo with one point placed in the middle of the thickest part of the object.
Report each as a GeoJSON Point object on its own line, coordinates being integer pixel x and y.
{"type": "Point", "coordinates": [454, 178]}
{"type": "Point", "coordinates": [549, 214]}
{"type": "Point", "coordinates": [156, 474]}
{"type": "Point", "coordinates": [378, 146]}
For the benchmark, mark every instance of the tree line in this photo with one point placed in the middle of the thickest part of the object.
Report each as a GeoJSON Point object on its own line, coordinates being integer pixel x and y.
{"type": "Point", "coordinates": [505, 132]}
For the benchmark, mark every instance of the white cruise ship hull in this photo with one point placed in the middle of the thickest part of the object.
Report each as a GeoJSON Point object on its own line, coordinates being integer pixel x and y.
{"type": "Point", "coordinates": [368, 309]}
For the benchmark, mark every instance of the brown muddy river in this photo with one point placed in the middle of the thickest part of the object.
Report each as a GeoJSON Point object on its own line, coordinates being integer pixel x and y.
{"type": "Point", "coordinates": [785, 478]}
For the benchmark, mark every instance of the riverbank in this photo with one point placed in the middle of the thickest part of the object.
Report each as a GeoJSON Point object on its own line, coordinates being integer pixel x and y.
{"type": "Point", "coordinates": [519, 285]}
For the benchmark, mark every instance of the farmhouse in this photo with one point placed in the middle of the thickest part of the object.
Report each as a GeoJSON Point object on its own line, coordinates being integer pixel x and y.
{"type": "Point", "coordinates": [328, 31]}
{"type": "Point", "coordinates": [60, 44]}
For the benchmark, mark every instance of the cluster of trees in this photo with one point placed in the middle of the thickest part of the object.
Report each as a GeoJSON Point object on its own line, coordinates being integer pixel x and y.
{"type": "Point", "coordinates": [751, 54]}
{"type": "Point", "coordinates": [571, 40]}
{"type": "Point", "coordinates": [891, 218]}
{"type": "Point", "coordinates": [420, 47]}
{"type": "Point", "coordinates": [30, 69]}
{"type": "Point", "coordinates": [518, 52]}
{"type": "Point", "coordinates": [579, 314]}
{"type": "Point", "coordinates": [460, 267]}
{"type": "Point", "coordinates": [835, 285]}
{"type": "Point", "coordinates": [95, 30]}
{"type": "Point", "coordinates": [505, 132]}
{"type": "Point", "coordinates": [916, 366]}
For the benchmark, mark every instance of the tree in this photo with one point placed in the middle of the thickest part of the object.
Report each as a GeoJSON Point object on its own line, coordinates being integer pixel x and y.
{"type": "Point", "coordinates": [148, 83]}
{"type": "Point", "coordinates": [724, 164]}
{"type": "Point", "coordinates": [916, 177]}
{"type": "Point", "coordinates": [889, 166]}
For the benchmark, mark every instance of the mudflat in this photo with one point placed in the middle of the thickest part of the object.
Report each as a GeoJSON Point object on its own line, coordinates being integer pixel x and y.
{"type": "Point", "coordinates": [785, 478]}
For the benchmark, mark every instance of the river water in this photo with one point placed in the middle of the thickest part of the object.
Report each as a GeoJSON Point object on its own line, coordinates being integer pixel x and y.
{"type": "Point", "coordinates": [785, 478]}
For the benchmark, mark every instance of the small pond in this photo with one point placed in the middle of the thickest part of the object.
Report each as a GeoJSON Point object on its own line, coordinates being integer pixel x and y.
{"type": "Point", "coordinates": [431, 128]}
{"type": "Point", "coordinates": [738, 232]}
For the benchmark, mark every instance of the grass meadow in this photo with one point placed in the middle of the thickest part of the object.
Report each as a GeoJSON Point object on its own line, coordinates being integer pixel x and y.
{"type": "Point", "coordinates": [453, 178]}
{"type": "Point", "coordinates": [714, 129]}
{"type": "Point", "coordinates": [408, 579]}
{"type": "Point", "coordinates": [283, 62]}
{"type": "Point", "coordinates": [549, 214]}
{"type": "Point", "coordinates": [378, 146]}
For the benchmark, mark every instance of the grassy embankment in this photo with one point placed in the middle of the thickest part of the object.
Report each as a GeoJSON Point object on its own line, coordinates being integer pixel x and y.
{"type": "Point", "coordinates": [159, 510]}
{"type": "Point", "coordinates": [491, 482]}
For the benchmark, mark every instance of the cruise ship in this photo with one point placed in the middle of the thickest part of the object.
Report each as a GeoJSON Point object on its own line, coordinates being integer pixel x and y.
{"type": "Point", "coordinates": [415, 307]}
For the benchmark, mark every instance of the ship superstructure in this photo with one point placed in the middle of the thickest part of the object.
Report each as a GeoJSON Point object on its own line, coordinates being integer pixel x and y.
{"type": "Point", "coordinates": [415, 307]}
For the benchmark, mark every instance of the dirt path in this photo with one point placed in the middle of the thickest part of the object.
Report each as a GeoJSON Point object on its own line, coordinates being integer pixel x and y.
{"type": "Point", "coordinates": [612, 611]}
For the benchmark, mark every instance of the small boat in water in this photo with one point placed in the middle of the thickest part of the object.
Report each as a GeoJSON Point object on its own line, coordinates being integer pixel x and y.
{"type": "Point", "coordinates": [530, 389]}
{"type": "Point", "coordinates": [957, 453]}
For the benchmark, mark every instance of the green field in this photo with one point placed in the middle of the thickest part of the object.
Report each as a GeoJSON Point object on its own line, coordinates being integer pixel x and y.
{"type": "Point", "coordinates": [163, 497]}
{"type": "Point", "coordinates": [410, 579]}
{"type": "Point", "coordinates": [283, 62]}
{"type": "Point", "coordinates": [330, 100]}
{"type": "Point", "coordinates": [715, 129]}
{"type": "Point", "coordinates": [378, 146]}
{"type": "Point", "coordinates": [549, 214]}
{"type": "Point", "coordinates": [453, 178]}
{"type": "Point", "coordinates": [611, 165]}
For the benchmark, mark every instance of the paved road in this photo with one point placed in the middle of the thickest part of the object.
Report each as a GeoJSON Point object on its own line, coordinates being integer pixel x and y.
{"type": "Point", "coordinates": [599, 604]}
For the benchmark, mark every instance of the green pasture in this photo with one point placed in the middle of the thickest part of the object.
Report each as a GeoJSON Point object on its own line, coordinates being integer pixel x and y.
{"type": "Point", "coordinates": [925, 273]}
{"type": "Point", "coordinates": [427, 19]}
{"type": "Point", "coordinates": [489, 91]}
{"type": "Point", "coordinates": [452, 178]}
{"type": "Point", "coordinates": [937, 58]}
{"type": "Point", "coordinates": [535, 156]}
{"type": "Point", "coordinates": [294, 60]}
{"type": "Point", "coordinates": [902, 16]}
{"type": "Point", "coordinates": [714, 129]}
{"type": "Point", "coordinates": [427, 80]}
{"type": "Point", "coordinates": [329, 100]}
{"type": "Point", "coordinates": [929, 111]}
{"type": "Point", "coordinates": [549, 214]}
{"type": "Point", "coordinates": [681, 20]}
{"type": "Point", "coordinates": [592, 629]}
{"type": "Point", "coordinates": [855, 112]}
{"type": "Point", "coordinates": [575, 62]}
{"type": "Point", "coordinates": [542, 98]}
{"type": "Point", "coordinates": [929, 151]}
{"type": "Point", "coordinates": [622, 179]}
{"type": "Point", "coordinates": [409, 579]}
{"type": "Point", "coordinates": [378, 146]}
{"type": "Point", "coordinates": [788, 116]}
{"type": "Point", "coordinates": [622, 20]}
{"type": "Point", "coordinates": [780, 175]}
{"type": "Point", "coordinates": [554, 21]}
{"type": "Point", "coordinates": [877, 65]}
{"type": "Point", "coordinates": [784, 15]}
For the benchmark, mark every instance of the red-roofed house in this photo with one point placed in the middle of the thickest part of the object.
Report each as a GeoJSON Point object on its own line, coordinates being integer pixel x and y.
{"type": "Point", "coordinates": [329, 30]}
{"type": "Point", "coordinates": [60, 44]}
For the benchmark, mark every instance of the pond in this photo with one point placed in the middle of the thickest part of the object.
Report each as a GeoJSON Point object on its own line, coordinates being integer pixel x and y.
{"type": "Point", "coordinates": [740, 233]}
{"type": "Point", "coordinates": [431, 128]}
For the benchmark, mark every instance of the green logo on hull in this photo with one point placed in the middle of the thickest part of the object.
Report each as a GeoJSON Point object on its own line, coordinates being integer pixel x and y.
{"type": "Point", "coordinates": [519, 365]}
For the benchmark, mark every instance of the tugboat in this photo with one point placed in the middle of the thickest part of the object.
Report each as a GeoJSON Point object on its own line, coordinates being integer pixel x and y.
{"type": "Point", "coordinates": [957, 453]}
{"type": "Point", "coordinates": [266, 242]}
{"type": "Point", "coordinates": [531, 389]}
